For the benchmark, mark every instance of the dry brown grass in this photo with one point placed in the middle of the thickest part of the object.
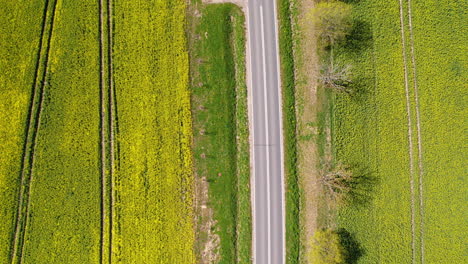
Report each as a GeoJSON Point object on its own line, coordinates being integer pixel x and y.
{"type": "Point", "coordinates": [307, 107]}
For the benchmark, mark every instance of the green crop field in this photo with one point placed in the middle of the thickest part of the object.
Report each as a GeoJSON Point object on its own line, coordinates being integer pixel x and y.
{"type": "Point", "coordinates": [95, 133]}
{"type": "Point", "coordinates": [405, 126]}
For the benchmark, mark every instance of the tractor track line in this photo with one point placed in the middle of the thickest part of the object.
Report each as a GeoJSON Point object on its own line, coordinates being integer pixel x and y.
{"type": "Point", "coordinates": [418, 126]}
{"type": "Point", "coordinates": [102, 128]}
{"type": "Point", "coordinates": [34, 120]}
{"type": "Point", "coordinates": [28, 131]}
{"type": "Point", "coordinates": [107, 128]}
{"type": "Point", "coordinates": [410, 135]}
{"type": "Point", "coordinates": [111, 124]}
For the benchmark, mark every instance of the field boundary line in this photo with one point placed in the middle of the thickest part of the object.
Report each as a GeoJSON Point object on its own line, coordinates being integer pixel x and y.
{"type": "Point", "coordinates": [102, 128]}
{"type": "Point", "coordinates": [410, 134]}
{"type": "Point", "coordinates": [112, 102]}
{"type": "Point", "coordinates": [418, 126]}
{"type": "Point", "coordinates": [32, 129]}
{"type": "Point", "coordinates": [107, 130]}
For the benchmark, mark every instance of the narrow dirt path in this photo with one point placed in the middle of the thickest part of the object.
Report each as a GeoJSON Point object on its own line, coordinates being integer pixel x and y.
{"type": "Point", "coordinates": [34, 121]}
{"type": "Point", "coordinates": [418, 126]}
{"type": "Point", "coordinates": [410, 134]}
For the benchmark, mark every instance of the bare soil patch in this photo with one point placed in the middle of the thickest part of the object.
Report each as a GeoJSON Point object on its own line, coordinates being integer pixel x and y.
{"type": "Point", "coordinates": [208, 244]}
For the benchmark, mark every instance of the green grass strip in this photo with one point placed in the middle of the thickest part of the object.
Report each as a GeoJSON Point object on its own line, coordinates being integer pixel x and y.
{"type": "Point", "coordinates": [289, 127]}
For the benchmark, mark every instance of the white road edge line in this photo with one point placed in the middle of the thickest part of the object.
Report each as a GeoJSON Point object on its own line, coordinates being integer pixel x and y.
{"type": "Point", "coordinates": [280, 105]}
{"type": "Point", "coordinates": [267, 143]}
{"type": "Point", "coordinates": [252, 134]}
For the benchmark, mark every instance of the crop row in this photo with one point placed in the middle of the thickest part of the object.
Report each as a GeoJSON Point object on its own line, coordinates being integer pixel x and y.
{"type": "Point", "coordinates": [439, 45]}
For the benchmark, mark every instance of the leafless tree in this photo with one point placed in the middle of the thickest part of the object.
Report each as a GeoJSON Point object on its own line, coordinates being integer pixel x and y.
{"type": "Point", "coordinates": [337, 78]}
{"type": "Point", "coordinates": [338, 182]}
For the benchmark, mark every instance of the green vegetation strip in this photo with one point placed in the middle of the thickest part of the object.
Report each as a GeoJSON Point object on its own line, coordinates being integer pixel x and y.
{"type": "Point", "coordinates": [289, 127]}
{"type": "Point", "coordinates": [221, 126]}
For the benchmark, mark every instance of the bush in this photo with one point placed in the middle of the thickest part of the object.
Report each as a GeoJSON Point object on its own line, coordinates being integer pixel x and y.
{"type": "Point", "coordinates": [332, 21]}
{"type": "Point", "coordinates": [326, 248]}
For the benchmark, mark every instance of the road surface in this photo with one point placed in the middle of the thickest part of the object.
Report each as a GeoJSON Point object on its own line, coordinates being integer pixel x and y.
{"type": "Point", "coordinates": [266, 130]}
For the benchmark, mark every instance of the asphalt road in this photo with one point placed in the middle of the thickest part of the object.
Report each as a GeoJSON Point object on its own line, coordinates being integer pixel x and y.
{"type": "Point", "coordinates": [268, 191]}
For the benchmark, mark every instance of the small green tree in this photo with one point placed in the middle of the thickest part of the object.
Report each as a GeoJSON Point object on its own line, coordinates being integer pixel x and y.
{"type": "Point", "coordinates": [332, 21]}
{"type": "Point", "coordinates": [326, 248]}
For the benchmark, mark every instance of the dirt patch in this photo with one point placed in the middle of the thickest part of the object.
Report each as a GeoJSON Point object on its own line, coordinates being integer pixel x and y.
{"type": "Point", "coordinates": [208, 241]}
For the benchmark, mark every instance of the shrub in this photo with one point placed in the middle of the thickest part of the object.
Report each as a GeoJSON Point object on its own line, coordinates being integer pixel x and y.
{"type": "Point", "coordinates": [326, 248]}
{"type": "Point", "coordinates": [332, 21]}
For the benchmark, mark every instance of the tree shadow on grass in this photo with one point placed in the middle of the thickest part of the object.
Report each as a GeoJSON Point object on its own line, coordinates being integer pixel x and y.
{"type": "Point", "coordinates": [351, 1]}
{"type": "Point", "coordinates": [353, 249]}
{"type": "Point", "coordinates": [363, 186]}
{"type": "Point", "coordinates": [361, 88]}
{"type": "Point", "coordinates": [359, 38]}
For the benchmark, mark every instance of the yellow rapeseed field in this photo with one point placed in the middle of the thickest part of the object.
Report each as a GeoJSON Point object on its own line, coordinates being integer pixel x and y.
{"type": "Point", "coordinates": [58, 206]}
{"type": "Point", "coordinates": [154, 174]}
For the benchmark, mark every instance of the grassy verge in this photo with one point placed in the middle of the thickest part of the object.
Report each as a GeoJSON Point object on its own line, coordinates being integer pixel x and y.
{"type": "Point", "coordinates": [244, 218]}
{"type": "Point", "coordinates": [289, 126]}
{"type": "Point", "coordinates": [219, 106]}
